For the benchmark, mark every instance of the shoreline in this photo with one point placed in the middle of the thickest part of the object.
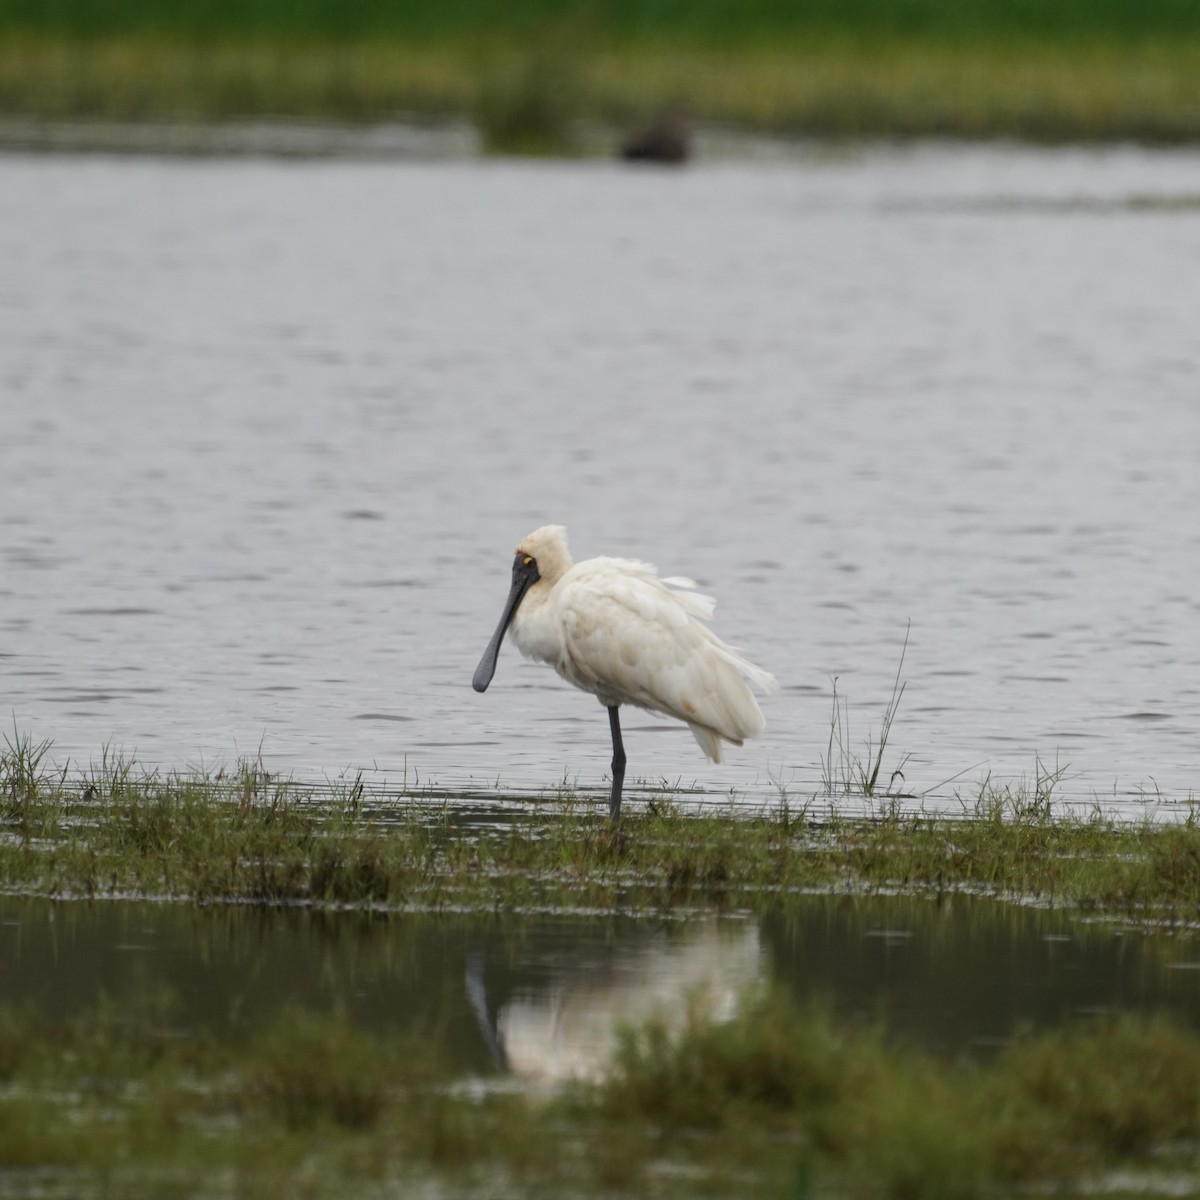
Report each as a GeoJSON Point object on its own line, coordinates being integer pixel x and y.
{"type": "Point", "coordinates": [536, 100]}
{"type": "Point", "coordinates": [248, 836]}
{"type": "Point", "coordinates": [420, 138]}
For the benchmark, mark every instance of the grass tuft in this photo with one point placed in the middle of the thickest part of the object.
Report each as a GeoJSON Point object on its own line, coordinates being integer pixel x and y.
{"type": "Point", "coordinates": [309, 1070]}
{"type": "Point", "coordinates": [842, 771]}
{"type": "Point", "coordinates": [1124, 1087]}
{"type": "Point", "coordinates": [528, 103]}
{"type": "Point", "coordinates": [24, 771]}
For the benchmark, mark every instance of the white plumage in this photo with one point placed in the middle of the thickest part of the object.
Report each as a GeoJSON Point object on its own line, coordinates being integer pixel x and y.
{"type": "Point", "coordinates": [611, 627]}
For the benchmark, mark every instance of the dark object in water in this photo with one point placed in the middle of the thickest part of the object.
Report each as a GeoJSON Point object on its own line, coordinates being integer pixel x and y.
{"type": "Point", "coordinates": [665, 138]}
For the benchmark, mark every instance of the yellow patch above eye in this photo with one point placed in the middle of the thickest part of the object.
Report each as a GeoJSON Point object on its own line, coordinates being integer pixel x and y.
{"type": "Point", "coordinates": [527, 560]}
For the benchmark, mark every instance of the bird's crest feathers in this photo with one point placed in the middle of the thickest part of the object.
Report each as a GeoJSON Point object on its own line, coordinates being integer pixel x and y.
{"type": "Point", "coordinates": [548, 545]}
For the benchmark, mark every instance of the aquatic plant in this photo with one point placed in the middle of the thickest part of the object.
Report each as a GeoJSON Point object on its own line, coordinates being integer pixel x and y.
{"type": "Point", "coordinates": [312, 1069]}
{"type": "Point", "coordinates": [24, 770]}
{"type": "Point", "coordinates": [246, 835]}
{"type": "Point", "coordinates": [843, 772]}
{"type": "Point", "coordinates": [784, 1099]}
{"type": "Point", "coordinates": [861, 1112]}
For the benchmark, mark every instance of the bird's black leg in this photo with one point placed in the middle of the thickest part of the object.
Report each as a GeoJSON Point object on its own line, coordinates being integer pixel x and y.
{"type": "Point", "coordinates": [618, 765]}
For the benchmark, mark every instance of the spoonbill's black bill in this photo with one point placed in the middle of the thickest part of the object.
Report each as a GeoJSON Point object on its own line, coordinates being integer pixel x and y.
{"type": "Point", "coordinates": [611, 627]}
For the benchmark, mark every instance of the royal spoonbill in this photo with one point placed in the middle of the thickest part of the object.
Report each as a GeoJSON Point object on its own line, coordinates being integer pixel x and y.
{"type": "Point", "coordinates": [611, 627]}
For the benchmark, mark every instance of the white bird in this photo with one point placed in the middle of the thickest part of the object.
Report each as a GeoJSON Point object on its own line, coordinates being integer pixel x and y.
{"type": "Point", "coordinates": [611, 627]}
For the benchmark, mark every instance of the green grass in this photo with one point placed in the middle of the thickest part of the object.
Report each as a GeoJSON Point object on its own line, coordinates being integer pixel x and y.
{"type": "Point", "coordinates": [529, 73]}
{"type": "Point", "coordinates": [843, 772]}
{"type": "Point", "coordinates": [247, 836]}
{"type": "Point", "coordinates": [862, 1114]}
{"type": "Point", "coordinates": [714, 22]}
{"type": "Point", "coordinates": [782, 1101]}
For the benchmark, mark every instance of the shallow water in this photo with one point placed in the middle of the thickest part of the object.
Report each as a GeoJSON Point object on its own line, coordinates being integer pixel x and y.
{"type": "Point", "coordinates": [271, 430]}
{"type": "Point", "coordinates": [542, 997]}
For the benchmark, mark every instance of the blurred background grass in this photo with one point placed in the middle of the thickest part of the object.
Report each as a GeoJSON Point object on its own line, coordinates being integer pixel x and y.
{"type": "Point", "coordinates": [712, 22]}
{"type": "Point", "coordinates": [1047, 70]}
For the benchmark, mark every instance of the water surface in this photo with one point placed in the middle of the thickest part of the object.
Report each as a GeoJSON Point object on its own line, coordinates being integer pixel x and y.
{"type": "Point", "coordinates": [271, 430]}
{"type": "Point", "coordinates": [542, 997]}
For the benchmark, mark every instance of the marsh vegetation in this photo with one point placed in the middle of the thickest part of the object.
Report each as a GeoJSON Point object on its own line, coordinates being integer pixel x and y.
{"type": "Point", "coordinates": [782, 1100]}
{"type": "Point", "coordinates": [245, 835]}
{"type": "Point", "coordinates": [788, 1097]}
{"type": "Point", "coordinates": [987, 69]}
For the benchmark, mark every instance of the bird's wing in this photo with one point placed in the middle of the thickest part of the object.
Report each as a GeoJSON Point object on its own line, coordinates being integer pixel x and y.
{"type": "Point", "coordinates": [630, 639]}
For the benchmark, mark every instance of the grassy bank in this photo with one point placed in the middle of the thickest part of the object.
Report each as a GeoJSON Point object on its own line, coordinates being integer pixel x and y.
{"type": "Point", "coordinates": [783, 1101]}
{"type": "Point", "coordinates": [1150, 93]}
{"type": "Point", "coordinates": [248, 837]}
{"type": "Point", "coordinates": [927, 67]}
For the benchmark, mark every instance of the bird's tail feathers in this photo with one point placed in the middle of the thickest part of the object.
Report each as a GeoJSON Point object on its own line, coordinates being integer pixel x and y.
{"type": "Point", "coordinates": [763, 680]}
{"type": "Point", "coordinates": [710, 742]}
{"type": "Point", "coordinates": [695, 603]}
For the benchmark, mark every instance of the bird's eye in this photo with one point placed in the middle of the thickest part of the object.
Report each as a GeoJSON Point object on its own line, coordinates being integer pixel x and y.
{"type": "Point", "coordinates": [526, 561]}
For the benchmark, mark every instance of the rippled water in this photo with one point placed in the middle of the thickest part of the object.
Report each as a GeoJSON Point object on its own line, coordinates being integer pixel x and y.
{"type": "Point", "coordinates": [272, 429]}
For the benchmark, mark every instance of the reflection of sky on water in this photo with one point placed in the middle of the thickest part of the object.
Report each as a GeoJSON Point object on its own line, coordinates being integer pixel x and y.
{"type": "Point", "coordinates": [272, 429]}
